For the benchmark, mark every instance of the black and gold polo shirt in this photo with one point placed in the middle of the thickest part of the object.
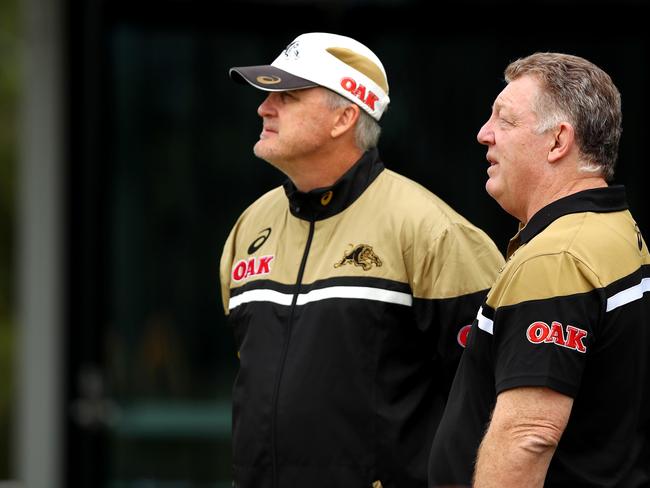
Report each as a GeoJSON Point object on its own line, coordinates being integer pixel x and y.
{"type": "Point", "coordinates": [570, 311]}
{"type": "Point", "coordinates": [349, 306]}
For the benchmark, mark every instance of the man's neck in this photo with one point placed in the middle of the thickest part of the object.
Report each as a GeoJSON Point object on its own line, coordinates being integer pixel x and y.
{"type": "Point", "coordinates": [323, 171]}
{"type": "Point", "coordinates": [549, 195]}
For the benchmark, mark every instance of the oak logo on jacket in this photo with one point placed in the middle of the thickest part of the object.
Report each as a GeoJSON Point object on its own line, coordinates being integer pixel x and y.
{"type": "Point", "coordinates": [257, 243]}
{"type": "Point", "coordinates": [361, 255]}
{"type": "Point", "coordinates": [247, 268]}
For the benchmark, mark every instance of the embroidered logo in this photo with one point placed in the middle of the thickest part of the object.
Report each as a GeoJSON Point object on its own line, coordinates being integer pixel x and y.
{"type": "Point", "coordinates": [361, 255]}
{"type": "Point", "coordinates": [326, 198]}
{"type": "Point", "coordinates": [540, 332]}
{"type": "Point", "coordinates": [463, 335]}
{"type": "Point", "coordinates": [257, 243]}
{"type": "Point", "coordinates": [246, 268]}
{"type": "Point", "coordinates": [268, 79]}
{"type": "Point", "coordinates": [292, 50]}
{"type": "Point", "coordinates": [359, 91]}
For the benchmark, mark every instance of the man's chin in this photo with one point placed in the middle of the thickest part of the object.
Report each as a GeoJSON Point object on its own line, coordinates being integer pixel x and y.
{"type": "Point", "coordinates": [491, 188]}
{"type": "Point", "coordinates": [259, 150]}
{"type": "Point", "coordinates": [264, 153]}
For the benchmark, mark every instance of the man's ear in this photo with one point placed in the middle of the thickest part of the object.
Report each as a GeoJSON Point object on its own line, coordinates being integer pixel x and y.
{"type": "Point", "coordinates": [563, 142]}
{"type": "Point", "coordinates": [345, 119]}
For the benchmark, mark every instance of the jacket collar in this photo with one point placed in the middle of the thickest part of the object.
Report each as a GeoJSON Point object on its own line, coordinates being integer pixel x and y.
{"type": "Point", "coordinates": [323, 203]}
{"type": "Point", "coordinates": [600, 200]}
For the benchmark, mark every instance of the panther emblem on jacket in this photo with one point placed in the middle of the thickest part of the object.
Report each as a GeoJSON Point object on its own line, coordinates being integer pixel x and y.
{"type": "Point", "coordinates": [361, 255]}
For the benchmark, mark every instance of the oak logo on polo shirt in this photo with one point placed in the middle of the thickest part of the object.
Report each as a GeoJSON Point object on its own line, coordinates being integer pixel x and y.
{"type": "Point", "coordinates": [463, 335]}
{"type": "Point", "coordinates": [570, 337]}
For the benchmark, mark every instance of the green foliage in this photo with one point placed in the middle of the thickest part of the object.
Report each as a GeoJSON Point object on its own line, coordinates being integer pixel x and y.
{"type": "Point", "coordinates": [9, 98]}
{"type": "Point", "coordinates": [9, 91]}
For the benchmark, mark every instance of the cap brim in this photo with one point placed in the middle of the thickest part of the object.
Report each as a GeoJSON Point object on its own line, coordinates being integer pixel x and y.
{"type": "Point", "coordinates": [269, 78]}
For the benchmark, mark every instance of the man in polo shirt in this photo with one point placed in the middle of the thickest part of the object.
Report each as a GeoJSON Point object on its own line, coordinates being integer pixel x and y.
{"type": "Point", "coordinates": [552, 389]}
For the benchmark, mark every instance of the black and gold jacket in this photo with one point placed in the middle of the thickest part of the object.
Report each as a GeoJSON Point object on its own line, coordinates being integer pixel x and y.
{"type": "Point", "coordinates": [349, 306]}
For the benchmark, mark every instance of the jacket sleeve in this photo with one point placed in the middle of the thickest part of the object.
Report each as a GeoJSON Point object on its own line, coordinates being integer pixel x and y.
{"type": "Point", "coordinates": [225, 269]}
{"type": "Point", "coordinates": [451, 275]}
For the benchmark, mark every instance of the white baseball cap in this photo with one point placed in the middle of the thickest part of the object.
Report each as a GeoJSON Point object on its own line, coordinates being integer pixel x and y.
{"type": "Point", "coordinates": [339, 63]}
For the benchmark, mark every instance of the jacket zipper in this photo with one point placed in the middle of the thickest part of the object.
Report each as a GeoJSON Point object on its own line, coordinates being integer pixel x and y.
{"type": "Point", "coordinates": [285, 350]}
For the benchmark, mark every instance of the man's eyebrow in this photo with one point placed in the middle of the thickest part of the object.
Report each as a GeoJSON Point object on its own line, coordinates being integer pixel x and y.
{"type": "Point", "coordinates": [293, 93]}
{"type": "Point", "coordinates": [500, 105]}
{"type": "Point", "coordinates": [495, 107]}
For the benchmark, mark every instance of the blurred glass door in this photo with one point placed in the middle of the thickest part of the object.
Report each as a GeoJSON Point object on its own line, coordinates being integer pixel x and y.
{"type": "Point", "coordinates": [151, 359]}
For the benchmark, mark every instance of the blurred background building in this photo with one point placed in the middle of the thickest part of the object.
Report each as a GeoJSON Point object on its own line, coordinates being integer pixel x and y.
{"type": "Point", "coordinates": [126, 156]}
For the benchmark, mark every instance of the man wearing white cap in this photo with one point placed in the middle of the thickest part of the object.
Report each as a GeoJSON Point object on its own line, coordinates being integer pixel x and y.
{"type": "Point", "coordinates": [349, 288]}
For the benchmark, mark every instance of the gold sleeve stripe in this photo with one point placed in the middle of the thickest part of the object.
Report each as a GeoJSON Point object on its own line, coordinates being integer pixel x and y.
{"type": "Point", "coordinates": [352, 292]}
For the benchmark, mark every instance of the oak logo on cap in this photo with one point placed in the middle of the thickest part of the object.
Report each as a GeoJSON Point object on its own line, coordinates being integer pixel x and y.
{"type": "Point", "coordinates": [268, 79]}
{"type": "Point", "coordinates": [359, 91]}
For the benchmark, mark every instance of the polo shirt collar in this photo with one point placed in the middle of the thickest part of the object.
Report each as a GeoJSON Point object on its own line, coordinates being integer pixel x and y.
{"type": "Point", "coordinates": [600, 200]}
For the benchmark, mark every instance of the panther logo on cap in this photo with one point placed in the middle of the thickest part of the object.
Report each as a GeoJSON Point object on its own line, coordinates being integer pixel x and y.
{"type": "Point", "coordinates": [292, 50]}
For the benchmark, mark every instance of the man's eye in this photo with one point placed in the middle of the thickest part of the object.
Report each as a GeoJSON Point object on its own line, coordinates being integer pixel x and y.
{"type": "Point", "coordinates": [284, 96]}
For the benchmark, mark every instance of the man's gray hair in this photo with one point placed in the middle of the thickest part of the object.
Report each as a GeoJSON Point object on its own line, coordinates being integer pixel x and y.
{"type": "Point", "coordinates": [367, 130]}
{"type": "Point", "coordinates": [577, 91]}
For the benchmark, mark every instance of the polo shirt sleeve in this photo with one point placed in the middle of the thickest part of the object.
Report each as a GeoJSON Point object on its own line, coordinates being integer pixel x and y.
{"type": "Point", "coordinates": [545, 323]}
